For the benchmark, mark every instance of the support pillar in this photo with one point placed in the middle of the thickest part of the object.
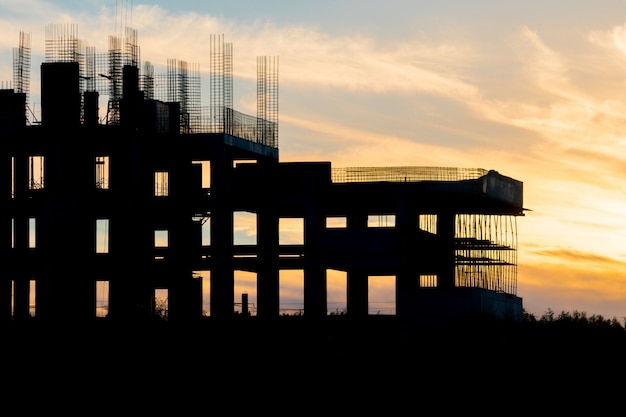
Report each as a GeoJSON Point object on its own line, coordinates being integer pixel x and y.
{"type": "Point", "coordinates": [357, 294]}
{"type": "Point", "coordinates": [268, 271]}
{"type": "Point", "coordinates": [315, 294]}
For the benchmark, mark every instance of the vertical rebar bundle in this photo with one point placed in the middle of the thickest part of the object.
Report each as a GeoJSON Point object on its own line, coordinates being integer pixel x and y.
{"type": "Point", "coordinates": [115, 80]}
{"type": "Point", "coordinates": [131, 47]}
{"type": "Point", "coordinates": [147, 83]}
{"type": "Point", "coordinates": [21, 65]}
{"type": "Point", "coordinates": [221, 84]}
{"type": "Point", "coordinates": [183, 87]}
{"type": "Point", "coordinates": [62, 44]}
{"type": "Point", "coordinates": [267, 100]}
{"type": "Point", "coordinates": [486, 252]}
{"type": "Point", "coordinates": [90, 68]}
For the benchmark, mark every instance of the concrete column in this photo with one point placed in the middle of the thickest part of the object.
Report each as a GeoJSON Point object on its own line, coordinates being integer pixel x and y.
{"type": "Point", "coordinates": [407, 285]}
{"type": "Point", "coordinates": [445, 232]}
{"type": "Point", "coordinates": [407, 275]}
{"type": "Point", "coordinates": [315, 296]}
{"type": "Point", "coordinates": [357, 293]}
{"type": "Point", "coordinates": [222, 270]}
{"type": "Point", "coordinates": [267, 275]}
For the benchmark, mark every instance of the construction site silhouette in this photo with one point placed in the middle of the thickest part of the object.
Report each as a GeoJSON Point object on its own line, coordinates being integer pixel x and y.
{"type": "Point", "coordinates": [122, 211]}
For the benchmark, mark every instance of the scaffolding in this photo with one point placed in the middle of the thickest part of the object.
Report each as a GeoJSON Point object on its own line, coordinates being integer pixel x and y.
{"type": "Point", "coordinates": [404, 174]}
{"type": "Point", "coordinates": [21, 65]}
{"type": "Point", "coordinates": [21, 68]}
{"type": "Point", "coordinates": [102, 73]}
{"type": "Point", "coordinates": [486, 252]}
{"type": "Point", "coordinates": [220, 84]}
{"type": "Point", "coordinates": [131, 48]}
{"type": "Point", "coordinates": [147, 80]}
{"type": "Point", "coordinates": [114, 75]}
{"type": "Point", "coordinates": [183, 86]}
{"type": "Point", "coordinates": [267, 100]}
{"type": "Point", "coordinates": [62, 43]}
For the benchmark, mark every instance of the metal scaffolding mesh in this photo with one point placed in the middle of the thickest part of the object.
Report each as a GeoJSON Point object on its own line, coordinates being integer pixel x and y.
{"type": "Point", "coordinates": [21, 69]}
{"type": "Point", "coordinates": [404, 174]}
{"type": "Point", "coordinates": [267, 100]}
{"type": "Point", "coordinates": [21, 65]}
{"type": "Point", "coordinates": [486, 252]}
{"type": "Point", "coordinates": [62, 43]}
{"type": "Point", "coordinates": [103, 73]}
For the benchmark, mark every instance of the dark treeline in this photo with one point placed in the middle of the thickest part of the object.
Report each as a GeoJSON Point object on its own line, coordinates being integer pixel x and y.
{"type": "Point", "coordinates": [564, 330]}
{"type": "Point", "coordinates": [554, 362]}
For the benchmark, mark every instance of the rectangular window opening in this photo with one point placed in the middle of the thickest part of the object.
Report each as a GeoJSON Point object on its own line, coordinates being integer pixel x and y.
{"type": "Point", "coordinates": [32, 298]}
{"type": "Point", "coordinates": [102, 172]}
{"type": "Point", "coordinates": [12, 177]}
{"type": "Point", "coordinates": [428, 223]}
{"type": "Point", "coordinates": [291, 231]}
{"type": "Point", "coordinates": [36, 172]}
{"type": "Point", "coordinates": [102, 235]}
{"type": "Point", "coordinates": [381, 295]}
{"type": "Point", "coordinates": [102, 298]}
{"type": "Point", "coordinates": [12, 298]}
{"type": "Point", "coordinates": [205, 281]}
{"type": "Point", "coordinates": [428, 281]}
{"type": "Point", "coordinates": [381, 220]}
{"type": "Point", "coordinates": [336, 222]}
{"type": "Point", "coordinates": [206, 174]}
{"type": "Point", "coordinates": [336, 292]}
{"type": "Point", "coordinates": [245, 292]}
{"type": "Point", "coordinates": [244, 228]}
{"type": "Point", "coordinates": [291, 292]}
{"type": "Point", "coordinates": [32, 233]}
{"type": "Point", "coordinates": [161, 303]}
{"type": "Point", "coordinates": [161, 238]}
{"type": "Point", "coordinates": [161, 183]}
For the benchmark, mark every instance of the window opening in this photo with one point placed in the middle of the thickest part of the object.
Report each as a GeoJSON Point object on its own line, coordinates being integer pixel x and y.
{"type": "Point", "coordinates": [244, 228]}
{"type": "Point", "coordinates": [161, 239]}
{"type": "Point", "coordinates": [102, 235]}
{"type": "Point", "coordinates": [291, 231]}
{"type": "Point", "coordinates": [102, 298]}
{"type": "Point", "coordinates": [381, 292]}
{"type": "Point", "coordinates": [161, 303]}
{"type": "Point", "coordinates": [35, 172]}
{"type": "Point", "coordinates": [32, 298]}
{"type": "Point", "coordinates": [333, 222]}
{"type": "Point", "coordinates": [245, 283]}
{"type": "Point", "coordinates": [12, 177]}
{"type": "Point", "coordinates": [206, 174]}
{"type": "Point", "coordinates": [102, 172]}
{"type": "Point", "coordinates": [336, 292]}
{"type": "Point", "coordinates": [161, 184]}
{"type": "Point", "coordinates": [291, 292]}
{"type": "Point", "coordinates": [428, 281]}
{"type": "Point", "coordinates": [205, 277]}
{"type": "Point", "coordinates": [428, 223]}
{"type": "Point", "coordinates": [12, 298]}
{"type": "Point", "coordinates": [32, 233]}
{"type": "Point", "coordinates": [381, 220]}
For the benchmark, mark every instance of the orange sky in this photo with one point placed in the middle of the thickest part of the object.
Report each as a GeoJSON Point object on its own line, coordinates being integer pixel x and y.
{"type": "Point", "coordinates": [535, 90]}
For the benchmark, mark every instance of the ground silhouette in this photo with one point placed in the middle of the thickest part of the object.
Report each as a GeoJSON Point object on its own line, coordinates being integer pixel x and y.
{"type": "Point", "coordinates": [559, 363]}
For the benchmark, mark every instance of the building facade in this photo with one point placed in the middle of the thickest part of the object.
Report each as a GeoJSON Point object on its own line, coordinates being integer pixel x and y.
{"type": "Point", "coordinates": [105, 209]}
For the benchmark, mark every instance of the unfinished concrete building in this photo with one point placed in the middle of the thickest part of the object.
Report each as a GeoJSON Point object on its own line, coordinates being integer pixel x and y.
{"type": "Point", "coordinates": [105, 207]}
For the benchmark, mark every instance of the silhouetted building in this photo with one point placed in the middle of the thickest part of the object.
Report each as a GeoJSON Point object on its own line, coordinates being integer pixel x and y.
{"type": "Point", "coordinates": [106, 207]}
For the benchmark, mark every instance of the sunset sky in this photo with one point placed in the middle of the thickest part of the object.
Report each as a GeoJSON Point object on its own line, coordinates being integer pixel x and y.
{"type": "Point", "coordinates": [535, 90]}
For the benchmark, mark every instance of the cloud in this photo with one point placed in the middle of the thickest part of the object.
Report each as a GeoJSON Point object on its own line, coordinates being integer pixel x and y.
{"type": "Point", "coordinates": [572, 256]}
